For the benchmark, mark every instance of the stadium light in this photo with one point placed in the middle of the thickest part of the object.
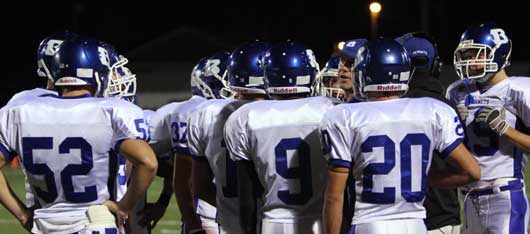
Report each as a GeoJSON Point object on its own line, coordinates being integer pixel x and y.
{"type": "Point", "coordinates": [375, 9]}
{"type": "Point", "coordinates": [340, 45]}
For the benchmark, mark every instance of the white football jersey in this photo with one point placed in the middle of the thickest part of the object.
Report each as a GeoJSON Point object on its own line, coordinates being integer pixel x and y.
{"type": "Point", "coordinates": [121, 174]}
{"type": "Point", "coordinates": [32, 93]}
{"type": "Point", "coordinates": [25, 96]}
{"type": "Point", "coordinates": [64, 145]}
{"type": "Point", "coordinates": [205, 141]}
{"type": "Point", "coordinates": [497, 156]}
{"type": "Point", "coordinates": [388, 145]}
{"type": "Point", "coordinates": [281, 138]}
{"type": "Point", "coordinates": [179, 125]}
{"type": "Point", "coordinates": [160, 128]}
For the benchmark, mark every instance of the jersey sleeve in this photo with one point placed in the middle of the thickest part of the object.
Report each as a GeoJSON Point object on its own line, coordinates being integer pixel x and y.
{"type": "Point", "coordinates": [197, 133]}
{"type": "Point", "coordinates": [236, 136]}
{"type": "Point", "coordinates": [449, 130]}
{"type": "Point", "coordinates": [521, 99]}
{"type": "Point", "coordinates": [450, 93]}
{"type": "Point", "coordinates": [336, 139]}
{"type": "Point", "coordinates": [6, 135]}
{"type": "Point", "coordinates": [129, 123]}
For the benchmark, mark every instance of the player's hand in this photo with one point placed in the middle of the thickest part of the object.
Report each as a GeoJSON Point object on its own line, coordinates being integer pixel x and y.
{"type": "Point", "coordinates": [462, 111]}
{"type": "Point", "coordinates": [121, 215]}
{"type": "Point", "coordinates": [151, 214]}
{"type": "Point", "coordinates": [27, 221]}
{"type": "Point", "coordinates": [494, 118]}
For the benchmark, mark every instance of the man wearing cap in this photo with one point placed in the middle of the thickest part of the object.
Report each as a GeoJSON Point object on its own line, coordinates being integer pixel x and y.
{"type": "Point", "coordinates": [443, 210]}
{"type": "Point", "coordinates": [347, 59]}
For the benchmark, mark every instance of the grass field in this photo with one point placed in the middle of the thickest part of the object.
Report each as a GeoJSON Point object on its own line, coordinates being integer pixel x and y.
{"type": "Point", "coordinates": [170, 223]}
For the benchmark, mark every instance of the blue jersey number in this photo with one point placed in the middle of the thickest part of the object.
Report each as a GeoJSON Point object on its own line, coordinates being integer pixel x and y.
{"type": "Point", "coordinates": [488, 140]}
{"type": "Point", "coordinates": [302, 172]}
{"type": "Point", "coordinates": [230, 189]}
{"type": "Point", "coordinates": [389, 151]}
{"type": "Point", "coordinates": [180, 131]}
{"type": "Point", "coordinates": [46, 143]}
{"type": "Point", "coordinates": [141, 127]}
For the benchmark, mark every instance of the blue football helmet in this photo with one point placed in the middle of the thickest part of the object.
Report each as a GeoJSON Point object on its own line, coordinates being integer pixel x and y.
{"type": "Point", "coordinates": [213, 80]}
{"type": "Point", "coordinates": [423, 52]}
{"type": "Point", "coordinates": [122, 82]}
{"type": "Point", "coordinates": [196, 74]}
{"type": "Point", "coordinates": [290, 68]}
{"type": "Point", "coordinates": [245, 70]}
{"type": "Point", "coordinates": [82, 62]}
{"type": "Point", "coordinates": [326, 79]}
{"type": "Point", "coordinates": [483, 51]}
{"type": "Point", "coordinates": [382, 65]}
{"type": "Point", "coordinates": [48, 47]}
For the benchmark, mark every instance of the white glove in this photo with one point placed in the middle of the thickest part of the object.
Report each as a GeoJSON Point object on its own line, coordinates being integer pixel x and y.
{"type": "Point", "coordinates": [100, 218]}
{"type": "Point", "coordinates": [462, 111]}
{"type": "Point", "coordinates": [494, 118]}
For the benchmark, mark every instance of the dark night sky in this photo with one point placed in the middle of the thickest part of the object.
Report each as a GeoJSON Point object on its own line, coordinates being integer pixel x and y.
{"type": "Point", "coordinates": [318, 25]}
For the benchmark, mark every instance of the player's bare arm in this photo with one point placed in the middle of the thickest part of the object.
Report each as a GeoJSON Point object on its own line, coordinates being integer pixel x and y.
{"type": "Point", "coordinates": [144, 159]}
{"type": "Point", "coordinates": [11, 202]}
{"type": "Point", "coordinates": [333, 199]}
{"type": "Point", "coordinates": [464, 170]}
{"type": "Point", "coordinates": [183, 190]}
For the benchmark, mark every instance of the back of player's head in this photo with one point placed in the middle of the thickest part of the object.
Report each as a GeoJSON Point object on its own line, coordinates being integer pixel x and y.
{"type": "Point", "coordinates": [245, 70]}
{"type": "Point", "coordinates": [81, 62]}
{"type": "Point", "coordinates": [486, 46]}
{"type": "Point", "coordinates": [48, 47]}
{"type": "Point", "coordinates": [213, 79]}
{"type": "Point", "coordinates": [290, 68]}
{"type": "Point", "coordinates": [196, 74]}
{"type": "Point", "coordinates": [122, 82]}
{"type": "Point", "coordinates": [382, 65]}
{"type": "Point", "coordinates": [423, 52]}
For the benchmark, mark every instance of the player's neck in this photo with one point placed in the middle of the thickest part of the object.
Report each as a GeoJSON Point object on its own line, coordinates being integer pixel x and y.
{"type": "Point", "coordinates": [382, 96]}
{"type": "Point", "coordinates": [73, 92]}
{"type": "Point", "coordinates": [250, 96]}
{"type": "Point", "coordinates": [349, 95]}
{"type": "Point", "coordinates": [497, 78]}
{"type": "Point", "coordinates": [289, 96]}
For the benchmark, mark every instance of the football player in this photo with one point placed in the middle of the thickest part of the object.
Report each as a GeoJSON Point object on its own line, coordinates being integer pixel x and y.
{"type": "Point", "coordinates": [160, 127]}
{"type": "Point", "coordinates": [442, 206]}
{"type": "Point", "coordinates": [48, 47]}
{"type": "Point", "coordinates": [198, 215]}
{"type": "Point", "coordinates": [205, 135]}
{"type": "Point", "coordinates": [327, 81]}
{"type": "Point", "coordinates": [276, 146]}
{"type": "Point", "coordinates": [345, 73]}
{"type": "Point", "coordinates": [496, 109]}
{"type": "Point", "coordinates": [63, 142]}
{"type": "Point", "coordinates": [387, 144]}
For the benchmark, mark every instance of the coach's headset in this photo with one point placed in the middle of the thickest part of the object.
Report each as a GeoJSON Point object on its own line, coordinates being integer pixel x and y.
{"type": "Point", "coordinates": [436, 67]}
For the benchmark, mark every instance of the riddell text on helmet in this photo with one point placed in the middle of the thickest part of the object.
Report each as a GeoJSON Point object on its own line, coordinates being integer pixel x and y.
{"type": "Point", "coordinates": [389, 88]}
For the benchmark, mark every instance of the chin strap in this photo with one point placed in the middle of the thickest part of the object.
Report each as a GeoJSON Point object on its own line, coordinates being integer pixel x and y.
{"type": "Point", "coordinates": [469, 98]}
